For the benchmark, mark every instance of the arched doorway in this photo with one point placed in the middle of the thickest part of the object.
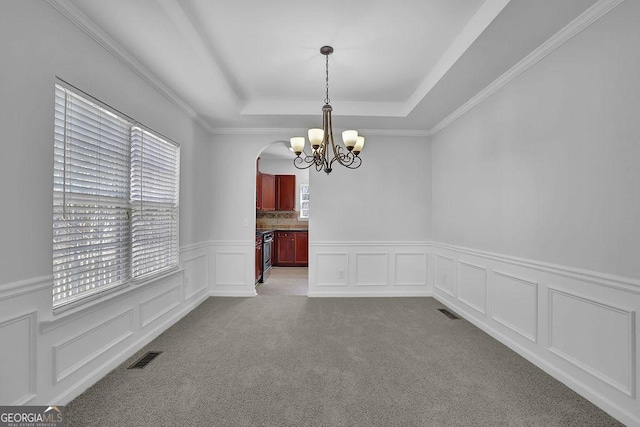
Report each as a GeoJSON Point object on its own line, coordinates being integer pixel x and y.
{"type": "Point", "coordinates": [282, 223]}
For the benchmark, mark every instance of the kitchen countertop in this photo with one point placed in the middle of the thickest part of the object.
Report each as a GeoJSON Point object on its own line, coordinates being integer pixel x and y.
{"type": "Point", "coordinates": [261, 231]}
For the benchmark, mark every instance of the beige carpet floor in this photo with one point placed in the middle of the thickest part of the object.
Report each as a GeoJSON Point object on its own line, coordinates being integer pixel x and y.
{"type": "Point", "coordinates": [291, 361]}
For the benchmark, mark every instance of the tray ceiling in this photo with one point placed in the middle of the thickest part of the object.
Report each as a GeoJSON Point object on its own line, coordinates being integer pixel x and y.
{"type": "Point", "coordinates": [398, 65]}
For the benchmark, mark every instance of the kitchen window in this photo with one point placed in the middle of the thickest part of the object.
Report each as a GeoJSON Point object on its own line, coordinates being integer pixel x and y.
{"type": "Point", "coordinates": [115, 199]}
{"type": "Point", "coordinates": [304, 201]}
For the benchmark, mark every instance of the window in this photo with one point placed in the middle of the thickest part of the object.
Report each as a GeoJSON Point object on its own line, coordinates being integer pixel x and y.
{"type": "Point", "coordinates": [154, 203]}
{"type": "Point", "coordinates": [304, 201]}
{"type": "Point", "coordinates": [115, 199]}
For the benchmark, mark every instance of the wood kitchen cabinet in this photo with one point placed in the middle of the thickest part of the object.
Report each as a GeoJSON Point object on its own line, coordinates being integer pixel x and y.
{"type": "Point", "coordinates": [259, 191]}
{"type": "Point", "coordinates": [275, 192]}
{"type": "Point", "coordinates": [292, 248]}
{"type": "Point", "coordinates": [268, 192]}
{"type": "Point", "coordinates": [302, 248]}
{"type": "Point", "coordinates": [258, 259]}
{"type": "Point", "coordinates": [285, 192]}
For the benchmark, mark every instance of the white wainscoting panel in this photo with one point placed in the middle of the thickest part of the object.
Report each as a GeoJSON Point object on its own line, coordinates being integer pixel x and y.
{"type": "Point", "coordinates": [332, 269]}
{"type": "Point", "coordinates": [410, 269]}
{"type": "Point", "coordinates": [372, 269]}
{"type": "Point", "coordinates": [594, 336]}
{"type": "Point", "coordinates": [53, 357]}
{"type": "Point", "coordinates": [580, 326]}
{"type": "Point", "coordinates": [472, 285]}
{"type": "Point", "coordinates": [444, 272]}
{"type": "Point", "coordinates": [196, 275]}
{"type": "Point", "coordinates": [369, 269]}
{"type": "Point", "coordinates": [515, 304]}
{"type": "Point", "coordinates": [159, 305]}
{"type": "Point", "coordinates": [77, 352]}
{"type": "Point", "coordinates": [231, 268]}
{"type": "Point", "coordinates": [18, 359]}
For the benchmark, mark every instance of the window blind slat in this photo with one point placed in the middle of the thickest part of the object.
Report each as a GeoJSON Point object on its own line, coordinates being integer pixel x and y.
{"type": "Point", "coordinates": [115, 201]}
{"type": "Point", "coordinates": [91, 231]}
{"type": "Point", "coordinates": [154, 202]}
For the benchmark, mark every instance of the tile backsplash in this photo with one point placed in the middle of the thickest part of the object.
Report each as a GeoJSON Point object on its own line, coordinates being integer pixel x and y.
{"type": "Point", "coordinates": [280, 219]}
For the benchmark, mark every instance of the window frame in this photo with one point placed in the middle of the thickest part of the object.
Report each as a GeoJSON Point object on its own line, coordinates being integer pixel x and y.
{"type": "Point", "coordinates": [93, 142]}
{"type": "Point", "coordinates": [303, 201]}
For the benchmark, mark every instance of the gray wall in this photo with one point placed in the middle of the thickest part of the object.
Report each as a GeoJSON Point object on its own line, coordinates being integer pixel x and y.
{"type": "Point", "coordinates": [43, 44]}
{"type": "Point", "coordinates": [548, 168]}
{"type": "Point", "coordinates": [387, 199]}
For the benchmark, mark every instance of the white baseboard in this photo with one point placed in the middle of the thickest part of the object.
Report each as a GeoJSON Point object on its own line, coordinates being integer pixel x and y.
{"type": "Point", "coordinates": [89, 380]}
{"type": "Point", "coordinates": [370, 294]}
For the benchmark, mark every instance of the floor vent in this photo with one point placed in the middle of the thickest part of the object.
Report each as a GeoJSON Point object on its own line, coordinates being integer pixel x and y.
{"type": "Point", "coordinates": [144, 360]}
{"type": "Point", "coordinates": [447, 313]}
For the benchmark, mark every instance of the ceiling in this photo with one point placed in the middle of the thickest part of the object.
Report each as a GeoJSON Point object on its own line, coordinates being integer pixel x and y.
{"type": "Point", "coordinates": [398, 66]}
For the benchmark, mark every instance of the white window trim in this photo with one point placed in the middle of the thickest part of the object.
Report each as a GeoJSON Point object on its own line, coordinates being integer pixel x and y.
{"type": "Point", "coordinates": [106, 291]}
{"type": "Point", "coordinates": [301, 201]}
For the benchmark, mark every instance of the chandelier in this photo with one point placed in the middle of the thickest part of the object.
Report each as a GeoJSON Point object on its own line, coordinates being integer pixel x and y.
{"type": "Point", "coordinates": [322, 139]}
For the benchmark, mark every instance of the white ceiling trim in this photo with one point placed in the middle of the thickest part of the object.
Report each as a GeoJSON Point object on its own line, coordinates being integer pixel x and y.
{"type": "Point", "coordinates": [314, 108]}
{"type": "Point", "coordinates": [301, 131]}
{"type": "Point", "coordinates": [79, 19]}
{"type": "Point", "coordinates": [591, 15]}
{"type": "Point", "coordinates": [472, 30]}
{"type": "Point", "coordinates": [478, 23]}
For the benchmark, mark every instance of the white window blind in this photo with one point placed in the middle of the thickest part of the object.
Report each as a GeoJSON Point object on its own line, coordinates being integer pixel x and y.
{"type": "Point", "coordinates": [91, 228]}
{"type": "Point", "coordinates": [154, 202]}
{"type": "Point", "coordinates": [115, 199]}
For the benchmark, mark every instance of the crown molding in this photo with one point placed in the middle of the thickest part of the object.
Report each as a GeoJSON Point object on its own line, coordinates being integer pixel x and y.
{"type": "Point", "coordinates": [479, 22]}
{"type": "Point", "coordinates": [303, 131]}
{"type": "Point", "coordinates": [79, 19]}
{"type": "Point", "coordinates": [591, 15]}
{"type": "Point", "coordinates": [258, 131]}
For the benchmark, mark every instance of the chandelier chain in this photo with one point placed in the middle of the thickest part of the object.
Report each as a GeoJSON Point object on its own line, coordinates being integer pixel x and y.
{"type": "Point", "coordinates": [326, 99]}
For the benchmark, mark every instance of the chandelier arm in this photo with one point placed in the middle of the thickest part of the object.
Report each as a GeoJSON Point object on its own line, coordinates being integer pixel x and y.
{"type": "Point", "coordinates": [298, 161]}
{"type": "Point", "coordinates": [348, 160]}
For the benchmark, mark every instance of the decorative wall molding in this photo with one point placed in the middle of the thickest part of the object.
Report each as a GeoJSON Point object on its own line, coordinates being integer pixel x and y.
{"type": "Point", "coordinates": [441, 279]}
{"type": "Point", "coordinates": [420, 271]}
{"type": "Point", "coordinates": [68, 393]}
{"type": "Point", "coordinates": [589, 342]}
{"type": "Point", "coordinates": [587, 18]}
{"type": "Point", "coordinates": [335, 262]}
{"type": "Point", "coordinates": [366, 273]}
{"type": "Point", "coordinates": [189, 272]}
{"type": "Point", "coordinates": [172, 300]}
{"type": "Point", "coordinates": [193, 247]}
{"type": "Point", "coordinates": [297, 131]}
{"type": "Point", "coordinates": [235, 265]}
{"type": "Point", "coordinates": [61, 371]}
{"type": "Point", "coordinates": [232, 293]}
{"type": "Point", "coordinates": [243, 243]}
{"type": "Point", "coordinates": [364, 244]}
{"type": "Point", "coordinates": [27, 286]}
{"type": "Point", "coordinates": [109, 298]}
{"type": "Point", "coordinates": [371, 268]}
{"type": "Point", "coordinates": [601, 279]}
{"type": "Point", "coordinates": [364, 293]}
{"type": "Point", "coordinates": [480, 308]}
{"type": "Point", "coordinates": [31, 320]}
{"type": "Point", "coordinates": [630, 387]}
{"type": "Point", "coordinates": [520, 306]}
